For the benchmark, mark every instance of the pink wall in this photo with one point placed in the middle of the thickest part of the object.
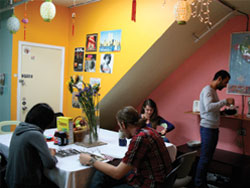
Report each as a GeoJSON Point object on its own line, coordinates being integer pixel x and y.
{"type": "Point", "coordinates": [175, 95]}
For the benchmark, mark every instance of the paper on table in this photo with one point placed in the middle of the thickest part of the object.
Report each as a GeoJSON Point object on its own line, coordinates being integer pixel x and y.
{"type": "Point", "coordinates": [114, 151]}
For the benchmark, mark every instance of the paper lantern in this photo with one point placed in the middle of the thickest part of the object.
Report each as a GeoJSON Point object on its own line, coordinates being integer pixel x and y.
{"type": "Point", "coordinates": [47, 10]}
{"type": "Point", "coordinates": [13, 24]}
{"type": "Point", "coordinates": [182, 11]}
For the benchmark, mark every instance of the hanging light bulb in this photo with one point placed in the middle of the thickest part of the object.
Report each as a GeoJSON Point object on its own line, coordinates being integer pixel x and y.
{"type": "Point", "coordinates": [182, 11]}
{"type": "Point", "coordinates": [201, 10]}
{"type": "Point", "coordinates": [47, 10]}
{"type": "Point", "coordinates": [13, 24]}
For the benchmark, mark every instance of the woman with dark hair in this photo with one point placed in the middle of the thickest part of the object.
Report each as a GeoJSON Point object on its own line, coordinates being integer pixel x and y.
{"type": "Point", "coordinates": [29, 153]}
{"type": "Point", "coordinates": [150, 113]}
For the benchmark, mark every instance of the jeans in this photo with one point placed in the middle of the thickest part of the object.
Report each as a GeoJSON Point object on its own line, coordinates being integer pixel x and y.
{"type": "Point", "coordinates": [209, 140]}
{"type": "Point", "coordinates": [100, 180]}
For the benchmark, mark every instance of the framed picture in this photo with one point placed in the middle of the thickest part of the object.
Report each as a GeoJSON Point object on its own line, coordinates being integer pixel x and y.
{"type": "Point", "coordinates": [110, 41]}
{"type": "Point", "coordinates": [94, 81]}
{"type": "Point", "coordinates": [90, 62]}
{"type": "Point", "coordinates": [91, 42]}
{"type": "Point", "coordinates": [78, 59]}
{"type": "Point", "coordinates": [240, 64]}
{"type": "Point", "coordinates": [106, 65]}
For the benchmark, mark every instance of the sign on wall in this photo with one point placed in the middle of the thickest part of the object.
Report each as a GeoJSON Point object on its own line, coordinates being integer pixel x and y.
{"type": "Point", "coordinates": [240, 64]}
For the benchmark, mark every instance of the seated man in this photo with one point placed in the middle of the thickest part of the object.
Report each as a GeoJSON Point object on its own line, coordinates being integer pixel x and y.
{"type": "Point", "coordinates": [29, 153]}
{"type": "Point", "coordinates": [145, 164]}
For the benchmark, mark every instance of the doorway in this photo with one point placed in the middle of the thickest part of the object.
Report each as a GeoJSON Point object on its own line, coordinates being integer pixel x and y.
{"type": "Point", "coordinates": [40, 77]}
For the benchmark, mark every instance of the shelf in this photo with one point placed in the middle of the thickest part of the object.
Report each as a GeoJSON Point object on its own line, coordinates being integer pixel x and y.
{"type": "Point", "coordinates": [238, 116]}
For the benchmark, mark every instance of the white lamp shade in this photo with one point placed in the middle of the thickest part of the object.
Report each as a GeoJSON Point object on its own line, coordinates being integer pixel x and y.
{"type": "Point", "coordinates": [47, 10]}
{"type": "Point", "coordinates": [182, 11]}
{"type": "Point", "coordinates": [13, 24]}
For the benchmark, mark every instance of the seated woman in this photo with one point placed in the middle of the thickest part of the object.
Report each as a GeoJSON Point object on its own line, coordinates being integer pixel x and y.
{"type": "Point", "coordinates": [149, 111]}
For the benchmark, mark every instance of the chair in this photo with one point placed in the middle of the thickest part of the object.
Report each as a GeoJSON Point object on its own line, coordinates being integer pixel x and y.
{"type": "Point", "coordinates": [3, 166]}
{"type": "Point", "coordinates": [170, 178]}
{"type": "Point", "coordinates": [4, 153]}
{"type": "Point", "coordinates": [183, 178]}
{"type": "Point", "coordinates": [7, 126]}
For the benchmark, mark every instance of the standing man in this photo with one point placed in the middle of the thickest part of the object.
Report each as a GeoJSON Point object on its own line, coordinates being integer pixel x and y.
{"type": "Point", "coordinates": [145, 164]}
{"type": "Point", "coordinates": [210, 106]}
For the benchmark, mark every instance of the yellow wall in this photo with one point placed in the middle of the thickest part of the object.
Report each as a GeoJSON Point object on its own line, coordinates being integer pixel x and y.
{"type": "Point", "coordinates": [152, 20]}
{"type": "Point", "coordinates": [38, 31]}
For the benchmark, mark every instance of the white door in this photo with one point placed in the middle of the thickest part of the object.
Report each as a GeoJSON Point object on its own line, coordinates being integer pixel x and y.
{"type": "Point", "coordinates": [40, 77]}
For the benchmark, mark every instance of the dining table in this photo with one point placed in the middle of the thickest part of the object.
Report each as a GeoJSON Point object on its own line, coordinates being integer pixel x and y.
{"type": "Point", "coordinates": [69, 172]}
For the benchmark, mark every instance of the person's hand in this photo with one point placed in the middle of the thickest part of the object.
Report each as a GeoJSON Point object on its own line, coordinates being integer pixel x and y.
{"type": "Point", "coordinates": [230, 101]}
{"type": "Point", "coordinates": [145, 116]}
{"type": "Point", "coordinates": [163, 131]}
{"type": "Point", "coordinates": [84, 158]}
{"type": "Point", "coordinates": [52, 151]}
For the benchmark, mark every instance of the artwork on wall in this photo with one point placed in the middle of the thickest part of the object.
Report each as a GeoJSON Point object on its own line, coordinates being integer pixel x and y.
{"type": "Point", "coordinates": [75, 102]}
{"type": "Point", "coordinates": [240, 64]}
{"type": "Point", "coordinates": [94, 81]}
{"type": "Point", "coordinates": [91, 42]}
{"type": "Point", "coordinates": [110, 41]}
{"type": "Point", "coordinates": [106, 65]}
{"type": "Point", "coordinates": [78, 59]}
{"type": "Point", "coordinates": [90, 62]}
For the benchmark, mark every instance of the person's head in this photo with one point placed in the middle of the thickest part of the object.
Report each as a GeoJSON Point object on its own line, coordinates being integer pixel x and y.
{"type": "Point", "coordinates": [41, 115]}
{"type": "Point", "coordinates": [149, 108]}
{"type": "Point", "coordinates": [107, 58]}
{"type": "Point", "coordinates": [221, 79]}
{"type": "Point", "coordinates": [128, 117]}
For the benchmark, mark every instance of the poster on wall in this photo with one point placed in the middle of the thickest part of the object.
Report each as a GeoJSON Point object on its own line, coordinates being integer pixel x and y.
{"type": "Point", "coordinates": [90, 63]}
{"type": "Point", "coordinates": [94, 81]}
{"type": "Point", "coordinates": [91, 42]}
{"type": "Point", "coordinates": [75, 102]}
{"type": "Point", "coordinates": [110, 41]}
{"type": "Point", "coordinates": [78, 59]}
{"type": "Point", "coordinates": [106, 65]}
{"type": "Point", "coordinates": [240, 64]}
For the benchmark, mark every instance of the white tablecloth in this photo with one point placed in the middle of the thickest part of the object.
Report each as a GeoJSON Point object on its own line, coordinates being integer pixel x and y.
{"type": "Point", "coordinates": [69, 173]}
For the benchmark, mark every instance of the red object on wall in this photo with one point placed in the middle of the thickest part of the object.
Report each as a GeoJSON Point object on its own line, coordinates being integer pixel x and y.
{"type": "Point", "coordinates": [133, 10]}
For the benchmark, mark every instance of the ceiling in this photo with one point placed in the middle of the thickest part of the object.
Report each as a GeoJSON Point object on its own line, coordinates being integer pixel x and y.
{"type": "Point", "coordinates": [242, 5]}
{"type": "Point", "coordinates": [71, 3]}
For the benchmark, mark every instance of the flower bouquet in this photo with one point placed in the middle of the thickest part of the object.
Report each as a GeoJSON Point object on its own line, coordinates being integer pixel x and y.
{"type": "Point", "coordinates": [88, 97]}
